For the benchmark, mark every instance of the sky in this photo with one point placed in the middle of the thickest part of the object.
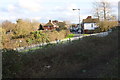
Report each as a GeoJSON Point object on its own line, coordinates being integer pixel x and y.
{"type": "Point", "coordinates": [44, 10]}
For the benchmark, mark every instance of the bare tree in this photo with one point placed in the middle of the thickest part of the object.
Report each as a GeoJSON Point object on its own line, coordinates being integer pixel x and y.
{"type": "Point", "coordinates": [96, 9]}
{"type": "Point", "coordinates": [105, 6]}
{"type": "Point", "coordinates": [102, 9]}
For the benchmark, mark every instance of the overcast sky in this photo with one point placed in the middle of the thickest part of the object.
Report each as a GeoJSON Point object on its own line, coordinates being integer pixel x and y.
{"type": "Point", "coordinates": [44, 10]}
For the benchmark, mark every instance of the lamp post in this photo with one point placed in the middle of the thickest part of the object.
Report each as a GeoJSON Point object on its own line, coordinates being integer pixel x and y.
{"type": "Point", "coordinates": [79, 15]}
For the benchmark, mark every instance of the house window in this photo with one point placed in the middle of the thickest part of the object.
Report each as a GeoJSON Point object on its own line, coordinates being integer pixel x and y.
{"type": "Point", "coordinates": [91, 25]}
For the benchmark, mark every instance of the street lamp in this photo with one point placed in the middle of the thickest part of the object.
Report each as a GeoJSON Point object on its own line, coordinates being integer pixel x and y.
{"type": "Point", "coordinates": [79, 15]}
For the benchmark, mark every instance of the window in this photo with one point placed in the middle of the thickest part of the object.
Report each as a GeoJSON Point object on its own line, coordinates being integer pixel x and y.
{"type": "Point", "coordinates": [91, 25]}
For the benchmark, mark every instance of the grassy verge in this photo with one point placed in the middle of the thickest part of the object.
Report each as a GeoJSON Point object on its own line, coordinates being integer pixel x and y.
{"type": "Point", "coordinates": [85, 34]}
{"type": "Point", "coordinates": [70, 35]}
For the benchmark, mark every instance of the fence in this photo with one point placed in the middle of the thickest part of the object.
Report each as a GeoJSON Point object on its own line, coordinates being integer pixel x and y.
{"type": "Point", "coordinates": [102, 34]}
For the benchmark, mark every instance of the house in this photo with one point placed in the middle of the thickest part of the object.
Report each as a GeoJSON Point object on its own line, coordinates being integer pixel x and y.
{"type": "Point", "coordinates": [50, 26]}
{"type": "Point", "coordinates": [61, 24]}
{"type": "Point", "coordinates": [54, 25]}
{"type": "Point", "coordinates": [89, 24]}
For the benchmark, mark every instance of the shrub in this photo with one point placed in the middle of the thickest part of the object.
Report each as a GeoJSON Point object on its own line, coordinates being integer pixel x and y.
{"type": "Point", "coordinates": [105, 25]}
{"type": "Point", "coordinates": [37, 37]}
{"type": "Point", "coordinates": [29, 41]}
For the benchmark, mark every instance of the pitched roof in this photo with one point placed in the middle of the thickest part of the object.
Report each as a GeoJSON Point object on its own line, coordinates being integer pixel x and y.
{"type": "Point", "coordinates": [58, 23]}
{"type": "Point", "coordinates": [89, 19]}
{"type": "Point", "coordinates": [49, 23]}
{"type": "Point", "coordinates": [61, 24]}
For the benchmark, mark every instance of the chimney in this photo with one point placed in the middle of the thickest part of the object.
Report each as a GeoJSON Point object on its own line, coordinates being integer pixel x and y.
{"type": "Point", "coordinates": [50, 21]}
{"type": "Point", "coordinates": [89, 17]}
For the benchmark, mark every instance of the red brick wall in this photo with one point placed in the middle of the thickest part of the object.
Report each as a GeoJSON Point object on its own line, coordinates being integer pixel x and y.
{"type": "Point", "coordinates": [48, 28]}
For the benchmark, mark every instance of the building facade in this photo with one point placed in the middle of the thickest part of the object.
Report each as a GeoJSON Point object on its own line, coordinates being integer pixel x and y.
{"type": "Point", "coordinates": [89, 24]}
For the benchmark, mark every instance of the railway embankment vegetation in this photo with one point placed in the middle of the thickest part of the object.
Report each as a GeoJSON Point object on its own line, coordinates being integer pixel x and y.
{"type": "Point", "coordinates": [91, 57]}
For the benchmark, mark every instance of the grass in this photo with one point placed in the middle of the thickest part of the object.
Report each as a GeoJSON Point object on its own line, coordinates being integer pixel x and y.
{"type": "Point", "coordinates": [70, 35]}
{"type": "Point", "coordinates": [31, 49]}
{"type": "Point", "coordinates": [91, 57]}
{"type": "Point", "coordinates": [85, 34]}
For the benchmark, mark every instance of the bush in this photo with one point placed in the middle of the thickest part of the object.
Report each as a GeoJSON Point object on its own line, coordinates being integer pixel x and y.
{"type": "Point", "coordinates": [97, 30]}
{"type": "Point", "coordinates": [29, 41]}
{"type": "Point", "coordinates": [106, 25]}
{"type": "Point", "coordinates": [37, 37]}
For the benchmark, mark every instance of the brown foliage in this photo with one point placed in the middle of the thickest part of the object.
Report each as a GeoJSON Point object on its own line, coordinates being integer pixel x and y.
{"type": "Point", "coordinates": [105, 25]}
{"type": "Point", "coordinates": [58, 35]}
{"type": "Point", "coordinates": [7, 25]}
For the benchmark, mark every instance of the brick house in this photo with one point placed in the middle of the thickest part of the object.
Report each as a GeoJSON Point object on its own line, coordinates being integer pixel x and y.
{"type": "Point", "coordinates": [50, 26]}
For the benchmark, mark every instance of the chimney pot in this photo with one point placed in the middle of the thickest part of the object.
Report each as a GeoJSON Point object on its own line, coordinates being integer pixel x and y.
{"type": "Point", "coordinates": [89, 17]}
{"type": "Point", "coordinates": [49, 20]}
